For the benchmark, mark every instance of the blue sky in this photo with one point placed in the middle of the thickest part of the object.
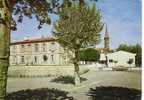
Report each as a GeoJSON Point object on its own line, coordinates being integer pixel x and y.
{"type": "Point", "coordinates": [123, 18]}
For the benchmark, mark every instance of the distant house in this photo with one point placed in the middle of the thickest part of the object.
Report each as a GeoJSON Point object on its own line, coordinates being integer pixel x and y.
{"type": "Point", "coordinates": [119, 58]}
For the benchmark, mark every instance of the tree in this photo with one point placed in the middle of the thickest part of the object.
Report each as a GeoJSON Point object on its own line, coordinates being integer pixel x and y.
{"type": "Point", "coordinates": [78, 27]}
{"type": "Point", "coordinates": [130, 61]}
{"type": "Point", "coordinates": [20, 8]}
{"type": "Point", "coordinates": [89, 54]}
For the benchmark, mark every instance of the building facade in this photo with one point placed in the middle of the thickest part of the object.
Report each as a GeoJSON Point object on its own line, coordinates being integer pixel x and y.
{"type": "Point", "coordinates": [119, 58]}
{"type": "Point", "coordinates": [43, 51]}
{"type": "Point", "coordinates": [106, 41]}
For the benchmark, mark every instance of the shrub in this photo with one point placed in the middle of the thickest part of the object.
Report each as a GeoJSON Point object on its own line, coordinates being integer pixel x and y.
{"type": "Point", "coordinates": [114, 93]}
{"type": "Point", "coordinates": [120, 68]}
{"type": "Point", "coordinates": [39, 94]}
{"type": "Point", "coordinates": [66, 79]}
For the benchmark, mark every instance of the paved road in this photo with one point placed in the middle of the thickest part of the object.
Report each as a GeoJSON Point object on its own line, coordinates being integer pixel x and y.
{"type": "Point", "coordinates": [95, 78]}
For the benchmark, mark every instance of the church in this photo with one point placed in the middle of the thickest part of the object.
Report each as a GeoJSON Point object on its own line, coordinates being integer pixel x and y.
{"type": "Point", "coordinates": [111, 58]}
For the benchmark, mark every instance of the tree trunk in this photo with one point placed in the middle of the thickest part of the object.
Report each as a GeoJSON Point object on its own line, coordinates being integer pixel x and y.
{"type": "Point", "coordinates": [81, 2]}
{"type": "Point", "coordinates": [4, 47]}
{"type": "Point", "coordinates": [76, 66]}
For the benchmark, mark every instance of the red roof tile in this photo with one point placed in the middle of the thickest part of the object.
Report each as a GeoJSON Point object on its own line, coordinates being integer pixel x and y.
{"type": "Point", "coordinates": [33, 41]}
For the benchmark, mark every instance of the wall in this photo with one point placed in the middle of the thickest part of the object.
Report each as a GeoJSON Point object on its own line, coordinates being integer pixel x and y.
{"type": "Point", "coordinates": [122, 58]}
{"type": "Point", "coordinates": [41, 71]}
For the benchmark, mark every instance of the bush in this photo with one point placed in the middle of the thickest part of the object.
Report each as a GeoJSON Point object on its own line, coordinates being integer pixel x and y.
{"type": "Point", "coordinates": [114, 93]}
{"type": "Point", "coordinates": [39, 94]}
{"type": "Point", "coordinates": [120, 69]}
{"type": "Point", "coordinates": [89, 54]}
{"type": "Point", "coordinates": [66, 79]}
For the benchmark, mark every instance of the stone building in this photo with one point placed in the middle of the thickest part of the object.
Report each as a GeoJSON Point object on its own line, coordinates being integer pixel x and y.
{"type": "Point", "coordinates": [106, 48]}
{"type": "Point", "coordinates": [106, 41]}
{"type": "Point", "coordinates": [42, 51]}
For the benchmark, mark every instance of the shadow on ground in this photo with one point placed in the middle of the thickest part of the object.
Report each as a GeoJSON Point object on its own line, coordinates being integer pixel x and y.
{"type": "Point", "coordinates": [39, 94]}
{"type": "Point", "coordinates": [114, 93]}
{"type": "Point", "coordinates": [66, 79]}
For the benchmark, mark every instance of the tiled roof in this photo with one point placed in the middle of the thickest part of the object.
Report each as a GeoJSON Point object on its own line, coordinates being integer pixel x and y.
{"type": "Point", "coordinates": [33, 41]}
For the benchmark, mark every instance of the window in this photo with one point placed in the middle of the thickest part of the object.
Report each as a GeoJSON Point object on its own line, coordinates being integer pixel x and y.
{"type": "Point", "coordinates": [35, 59]}
{"type": "Point", "coordinates": [111, 60]}
{"type": "Point", "coordinates": [52, 46]}
{"type": "Point", "coordinates": [36, 48]}
{"type": "Point", "coordinates": [14, 49]}
{"type": "Point", "coordinates": [44, 47]}
{"type": "Point", "coordinates": [130, 61]}
{"type": "Point", "coordinates": [22, 48]}
{"type": "Point", "coordinates": [45, 58]}
{"type": "Point", "coordinates": [22, 59]}
{"type": "Point", "coordinates": [52, 59]}
{"type": "Point", "coordinates": [14, 59]}
{"type": "Point", "coordinates": [52, 42]}
{"type": "Point", "coordinates": [29, 47]}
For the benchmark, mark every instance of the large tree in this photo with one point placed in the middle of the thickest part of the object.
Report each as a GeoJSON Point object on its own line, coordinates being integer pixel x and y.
{"type": "Point", "coordinates": [89, 54]}
{"type": "Point", "coordinates": [78, 27]}
{"type": "Point", "coordinates": [7, 23]}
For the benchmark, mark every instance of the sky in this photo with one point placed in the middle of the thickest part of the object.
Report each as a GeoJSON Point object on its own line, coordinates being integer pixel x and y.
{"type": "Point", "coordinates": [123, 19]}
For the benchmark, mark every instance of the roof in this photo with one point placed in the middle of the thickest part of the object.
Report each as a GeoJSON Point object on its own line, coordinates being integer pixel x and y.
{"type": "Point", "coordinates": [121, 52]}
{"type": "Point", "coordinates": [106, 32]}
{"type": "Point", "coordinates": [33, 41]}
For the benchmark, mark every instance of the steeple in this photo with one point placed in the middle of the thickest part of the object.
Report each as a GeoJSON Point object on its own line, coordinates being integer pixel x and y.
{"type": "Point", "coordinates": [106, 40]}
{"type": "Point", "coordinates": [106, 32]}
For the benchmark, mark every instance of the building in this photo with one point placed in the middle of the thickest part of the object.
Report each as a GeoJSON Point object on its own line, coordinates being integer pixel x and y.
{"type": "Point", "coordinates": [121, 58]}
{"type": "Point", "coordinates": [106, 39]}
{"type": "Point", "coordinates": [117, 58]}
{"type": "Point", "coordinates": [42, 51]}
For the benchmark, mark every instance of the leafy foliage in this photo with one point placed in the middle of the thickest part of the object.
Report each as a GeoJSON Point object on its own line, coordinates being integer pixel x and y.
{"type": "Point", "coordinates": [21, 8]}
{"type": "Point", "coordinates": [79, 27]}
{"type": "Point", "coordinates": [39, 8]}
{"type": "Point", "coordinates": [89, 54]}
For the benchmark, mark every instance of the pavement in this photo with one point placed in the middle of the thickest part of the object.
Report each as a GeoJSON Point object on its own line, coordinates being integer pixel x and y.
{"type": "Point", "coordinates": [130, 79]}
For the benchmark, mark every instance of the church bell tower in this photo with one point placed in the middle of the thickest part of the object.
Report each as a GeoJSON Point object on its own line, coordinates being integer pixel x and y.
{"type": "Point", "coordinates": [106, 41]}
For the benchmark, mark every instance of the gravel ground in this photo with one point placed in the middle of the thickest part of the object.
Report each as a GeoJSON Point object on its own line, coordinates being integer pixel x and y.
{"type": "Point", "coordinates": [95, 78]}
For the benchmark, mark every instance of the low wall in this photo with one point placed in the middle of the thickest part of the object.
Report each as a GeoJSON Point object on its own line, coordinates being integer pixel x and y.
{"type": "Point", "coordinates": [42, 71]}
